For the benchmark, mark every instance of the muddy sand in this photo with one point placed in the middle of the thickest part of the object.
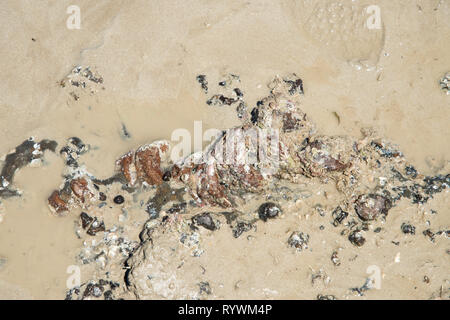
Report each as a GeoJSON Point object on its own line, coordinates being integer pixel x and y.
{"type": "Point", "coordinates": [225, 150]}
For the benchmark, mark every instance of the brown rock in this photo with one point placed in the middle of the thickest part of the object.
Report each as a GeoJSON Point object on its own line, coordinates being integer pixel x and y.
{"type": "Point", "coordinates": [369, 207]}
{"type": "Point", "coordinates": [127, 167]}
{"type": "Point", "coordinates": [148, 163]}
{"type": "Point", "coordinates": [57, 203]}
{"type": "Point", "coordinates": [80, 189]}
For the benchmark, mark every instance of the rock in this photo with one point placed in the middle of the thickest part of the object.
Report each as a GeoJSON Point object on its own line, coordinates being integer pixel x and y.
{"type": "Point", "coordinates": [101, 289]}
{"type": "Point", "coordinates": [96, 226]}
{"type": "Point", "coordinates": [268, 210]}
{"type": "Point", "coordinates": [74, 148]}
{"type": "Point", "coordinates": [430, 235]}
{"type": "Point", "coordinates": [240, 228]}
{"type": "Point", "coordinates": [369, 207]}
{"type": "Point", "coordinates": [119, 199]}
{"type": "Point", "coordinates": [295, 84]}
{"type": "Point", "coordinates": [385, 149]}
{"type": "Point", "coordinates": [148, 161]}
{"type": "Point", "coordinates": [408, 228]}
{"type": "Point", "coordinates": [93, 289]}
{"type": "Point", "coordinates": [80, 189]}
{"type": "Point", "coordinates": [301, 156]}
{"type": "Point", "coordinates": [324, 155]}
{"type": "Point", "coordinates": [206, 221]}
{"type": "Point", "coordinates": [201, 78]}
{"type": "Point", "coordinates": [356, 238]}
{"type": "Point", "coordinates": [57, 203]}
{"type": "Point", "coordinates": [102, 196]}
{"type": "Point", "coordinates": [335, 259]}
{"type": "Point", "coordinates": [127, 168]}
{"type": "Point", "coordinates": [144, 165]}
{"type": "Point", "coordinates": [86, 220]}
{"type": "Point", "coordinates": [299, 240]}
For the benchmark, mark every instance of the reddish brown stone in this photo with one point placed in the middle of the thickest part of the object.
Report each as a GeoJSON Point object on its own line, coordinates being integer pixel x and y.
{"type": "Point", "coordinates": [148, 162]}
{"type": "Point", "coordinates": [80, 189]}
{"type": "Point", "coordinates": [57, 203]}
{"type": "Point", "coordinates": [126, 166]}
{"type": "Point", "coordinates": [205, 186]}
{"type": "Point", "coordinates": [369, 207]}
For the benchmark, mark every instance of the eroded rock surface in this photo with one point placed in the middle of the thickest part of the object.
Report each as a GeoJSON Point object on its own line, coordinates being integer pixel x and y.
{"type": "Point", "coordinates": [261, 170]}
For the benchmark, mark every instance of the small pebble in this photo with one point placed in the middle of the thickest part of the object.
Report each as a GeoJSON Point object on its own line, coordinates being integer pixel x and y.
{"type": "Point", "coordinates": [356, 238]}
{"type": "Point", "coordinates": [299, 240]}
{"type": "Point", "coordinates": [268, 210]}
{"type": "Point", "coordinates": [119, 199]}
{"type": "Point", "coordinates": [102, 196]}
{"type": "Point", "coordinates": [407, 228]}
{"type": "Point", "coordinates": [206, 221]}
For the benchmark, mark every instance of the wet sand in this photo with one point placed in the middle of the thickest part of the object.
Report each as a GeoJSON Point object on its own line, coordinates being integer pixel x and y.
{"type": "Point", "coordinates": [149, 55]}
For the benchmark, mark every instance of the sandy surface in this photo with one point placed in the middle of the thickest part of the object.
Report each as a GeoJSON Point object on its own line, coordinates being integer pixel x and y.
{"type": "Point", "coordinates": [149, 54]}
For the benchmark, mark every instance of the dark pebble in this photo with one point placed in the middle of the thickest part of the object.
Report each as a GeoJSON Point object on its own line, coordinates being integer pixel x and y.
{"type": "Point", "coordinates": [356, 238]}
{"type": "Point", "coordinates": [430, 234]}
{"type": "Point", "coordinates": [205, 220]}
{"type": "Point", "coordinates": [119, 199]}
{"type": "Point", "coordinates": [369, 207]}
{"type": "Point", "coordinates": [167, 175]}
{"type": "Point", "coordinates": [240, 228]}
{"type": "Point", "coordinates": [268, 210]}
{"type": "Point", "coordinates": [86, 220]}
{"type": "Point", "coordinates": [254, 115]}
{"type": "Point", "coordinates": [407, 228]}
{"type": "Point", "coordinates": [299, 240]}
{"type": "Point", "coordinates": [96, 226]}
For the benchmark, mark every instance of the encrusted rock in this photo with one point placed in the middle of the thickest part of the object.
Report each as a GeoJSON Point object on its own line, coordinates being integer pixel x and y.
{"type": "Point", "coordinates": [86, 220]}
{"type": "Point", "coordinates": [57, 203]}
{"type": "Point", "coordinates": [370, 206]}
{"type": "Point", "coordinates": [96, 226]}
{"type": "Point", "coordinates": [408, 228]}
{"type": "Point", "coordinates": [144, 165]}
{"type": "Point", "coordinates": [80, 189]}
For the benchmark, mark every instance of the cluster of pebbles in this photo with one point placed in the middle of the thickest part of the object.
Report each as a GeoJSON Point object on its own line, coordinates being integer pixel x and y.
{"type": "Point", "coordinates": [139, 225]}
{"type": "Point", "coordinates": [80, 80]}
